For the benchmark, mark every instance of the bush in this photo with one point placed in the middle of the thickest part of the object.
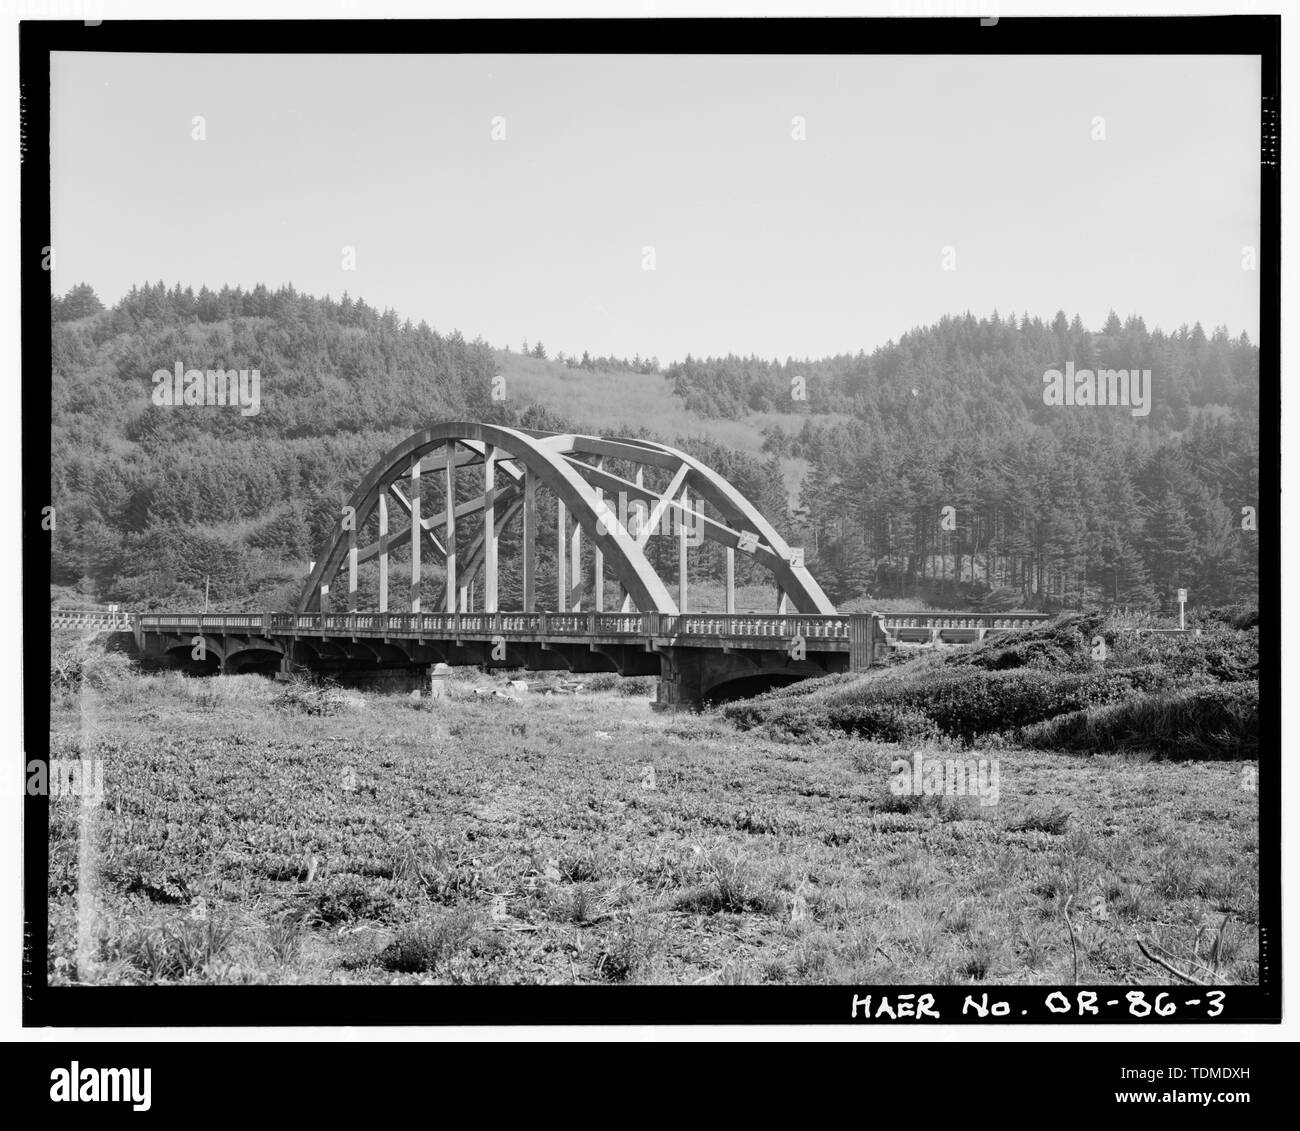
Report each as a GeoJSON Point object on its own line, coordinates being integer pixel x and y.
{"type": "Point", "coordinates": [966, 704]}
{"type": "Point", "coordinates": [1223, 654]}
{"type": "Point", "coordinates": [637, 685]}
{"type": "Point", "coordinates": [603, 681]}
{"type": "Point", "coordinates": [1053, 645]}
{"type": "Point", "coordinates": [309, 697]}
{"type": "Point", "coordinates": [884, 722]}
{"type": "Point", "coordinates": [1014, 683]}
{"type": "Point", "coordinates": [423, 947]}
{"type": "Point", "coordinates": [179, 948]}
{"type": "Point", "coordinates": [1234, 616]}
{"type": "Point", "coordinates": [733, 884]}
{"type": "Point", "coordinates": [348, 896]}
{"type": "Point", "coordinates": [1227, 649]}
{"type": "Point", "coordinates": [947, 701]}
{"type": "Point", "coordinates": [76, 662]}
{"type": "Point", "coordinates": [1202, 722]}
{"type": "Point", "coordinates": [630, 951]}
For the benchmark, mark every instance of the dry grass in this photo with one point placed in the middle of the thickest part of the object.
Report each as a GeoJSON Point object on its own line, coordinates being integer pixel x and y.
{"type": "Point", "coordinates": [483, 841]}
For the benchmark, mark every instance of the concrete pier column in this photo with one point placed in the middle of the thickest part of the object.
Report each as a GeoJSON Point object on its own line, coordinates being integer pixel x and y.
{"type": "Point", "coordinates": [681, 679]}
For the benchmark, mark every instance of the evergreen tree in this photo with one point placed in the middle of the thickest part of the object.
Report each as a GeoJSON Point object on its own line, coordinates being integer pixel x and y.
{"type": "Point", "coordinates": [80, 302]}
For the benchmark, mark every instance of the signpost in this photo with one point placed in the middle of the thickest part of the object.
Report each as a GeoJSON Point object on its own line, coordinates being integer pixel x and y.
{"type": "Point", "coordinates": [1182, 601]}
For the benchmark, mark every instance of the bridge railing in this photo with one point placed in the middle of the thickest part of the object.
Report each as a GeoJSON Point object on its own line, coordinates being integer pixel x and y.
{"type": "Point", "coordinates": [506, 624]}
{"type": "Point", "coordinates": [785, 626]}
{"type": "Point", "coordinates": [962, 620]}
{"type": "Point", "coordinates": [735, 626]}
{"type": "Point", "coordinates": [217, 621]}
{"type": "Point", "coordinates": [619, 624]}
{"type": "Point", "coordinates": [89, 618]}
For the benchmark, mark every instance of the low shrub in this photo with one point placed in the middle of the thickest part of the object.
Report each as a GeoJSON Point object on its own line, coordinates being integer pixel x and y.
{"type": "Point", "coordinates": [884, 722]}
{"type": "Point", "coordinates": [1210, 721]}
{"type": "Point", "coordinates": [311, 697]}
{"type": "Point", "coordinates": [178, 948]}
{"type": "Point", "coordinates": [637, 685]}
{"type": "Point", "coordinates": [963, 704]}
{"type": "Point", "coordinates": [1014, 682]}
{"type": "Point", "coordinates": [1057, 644]}
{"type": "Point", "coordinates": [733, 884]}
{"type": "Point", "coordinates": [1219, 653]}
{"type": "Point", "coordinates": [423, 947]}
{"type": "Point", "coordinates": [347, 897]}
{"type": "Point", "coordinates": [1240, 616]}
{"type": "Point", "coordinates": [630, 951]}
{"type": "Point", "coordinates": [76, 662]}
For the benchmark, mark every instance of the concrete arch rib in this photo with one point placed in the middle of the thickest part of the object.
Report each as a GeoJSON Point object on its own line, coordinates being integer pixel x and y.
{"type": "Point", "coordinates": [622, 555]}
{"type": "Point", "coordinates": [798, 583]}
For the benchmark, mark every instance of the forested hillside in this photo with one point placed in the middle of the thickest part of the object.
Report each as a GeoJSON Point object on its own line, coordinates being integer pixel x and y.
{"type": "Point", "coordinates": [157, 506]}
{"type": "Point", "coordinates": [1050, 505]}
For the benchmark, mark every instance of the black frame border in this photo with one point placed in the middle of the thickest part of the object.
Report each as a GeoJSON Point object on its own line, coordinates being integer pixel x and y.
{"type": "Point", "coordinates": [43, 1005]}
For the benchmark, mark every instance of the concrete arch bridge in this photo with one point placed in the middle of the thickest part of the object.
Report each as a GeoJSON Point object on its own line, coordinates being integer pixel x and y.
{"type": "Point", "coordinates": [452, 495]}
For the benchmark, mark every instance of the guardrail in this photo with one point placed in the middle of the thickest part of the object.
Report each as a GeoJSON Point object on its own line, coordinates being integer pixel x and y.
{"type": "Point", "coordinates": [962, 620]}
{"type": "Point", "coordinates": [551, 625]}
{"type": "Point", "coordinates": [89, 618]}
{"type": "Point", "coordinates": [545, 625]}
{"type": "Point", "coordinates": [786, 626]}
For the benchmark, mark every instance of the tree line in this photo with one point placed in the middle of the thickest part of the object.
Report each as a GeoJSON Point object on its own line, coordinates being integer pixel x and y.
{"type": "Point", "coordinates": [932, 467]}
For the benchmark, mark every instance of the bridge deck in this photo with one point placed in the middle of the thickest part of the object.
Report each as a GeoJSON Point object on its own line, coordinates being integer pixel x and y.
{"type": "Point", "coordinates": [693, 653]}
{"type": "Point", "coordinates": [821, 633]}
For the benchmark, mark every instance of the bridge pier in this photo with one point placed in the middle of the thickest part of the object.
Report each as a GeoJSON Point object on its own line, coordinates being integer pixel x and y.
{"type": "Point", "coordinates": [681, 680]}
{"type": "Point", "coordinates": [287, 665]}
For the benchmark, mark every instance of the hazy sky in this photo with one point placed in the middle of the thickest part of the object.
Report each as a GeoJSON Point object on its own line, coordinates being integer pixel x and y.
{"type": "Point", "coordinates": [762, 244]}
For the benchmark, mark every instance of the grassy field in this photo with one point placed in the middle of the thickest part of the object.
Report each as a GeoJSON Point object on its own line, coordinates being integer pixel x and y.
{"type": "Point", "coordinates": [242, 838]}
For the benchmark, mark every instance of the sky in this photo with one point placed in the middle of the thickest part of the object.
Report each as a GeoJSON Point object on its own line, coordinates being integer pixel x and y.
{"type": "Point", "coordinates": [762, 244]}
